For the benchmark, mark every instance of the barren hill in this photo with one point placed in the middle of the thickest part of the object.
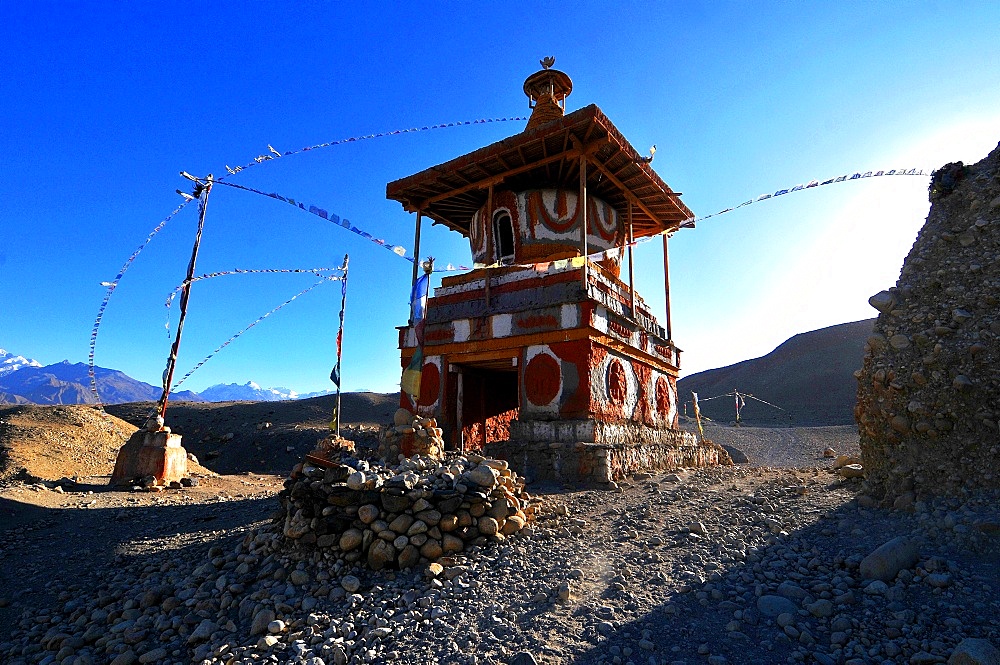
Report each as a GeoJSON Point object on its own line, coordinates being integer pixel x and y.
{"type": "Point", "coordinates": [264, 437]}
{"type": "Point", "coordinates": [810, 376]}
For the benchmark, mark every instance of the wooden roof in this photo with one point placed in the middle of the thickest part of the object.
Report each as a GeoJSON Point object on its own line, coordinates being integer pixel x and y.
{"type": "Point", "coordinates": [546, 157]}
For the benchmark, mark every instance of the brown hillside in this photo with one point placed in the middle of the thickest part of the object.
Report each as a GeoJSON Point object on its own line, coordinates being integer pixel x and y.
{"type": "Point", "coordinates": [53, 442]}
{"type": "Point", "coordinates": [810, 376]}
{"type": "Point", "coordinates": [266, 437]}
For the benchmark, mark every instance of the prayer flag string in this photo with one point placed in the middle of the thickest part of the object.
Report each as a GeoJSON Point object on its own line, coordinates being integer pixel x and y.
{"type": "Point", "coordinates": [319, 272]}
{"type": "Point", "coordinates": [111, 286]}
{"type": "Point", "coordinates": [690, 222]}
{"type": "Point", "coordinates": [333, 217]}
{"type": "Point", "coordinates": [234, 337]}
{"type": "Point", "coordinates": [614, 252]}
{"type": "Point", "coordinates": [273, 153]}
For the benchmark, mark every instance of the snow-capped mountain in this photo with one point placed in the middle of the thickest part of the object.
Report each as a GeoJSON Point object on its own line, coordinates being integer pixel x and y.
{"type": "Point", "coordinates": [249, 391]}
{"type": "Point", "coordinates": [26, 381]}
{"type": "Point", "coordinates": [11, 363]}
{"type": "Point", "coordinates": [253, 392]}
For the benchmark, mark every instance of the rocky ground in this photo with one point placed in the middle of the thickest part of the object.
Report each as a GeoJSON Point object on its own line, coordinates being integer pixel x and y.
{"type": "Point", "coordinates": [751, 564]}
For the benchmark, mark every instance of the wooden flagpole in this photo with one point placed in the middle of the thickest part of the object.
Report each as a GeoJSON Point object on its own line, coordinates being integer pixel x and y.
{"type": "Point", "coordinates": [203, 189]}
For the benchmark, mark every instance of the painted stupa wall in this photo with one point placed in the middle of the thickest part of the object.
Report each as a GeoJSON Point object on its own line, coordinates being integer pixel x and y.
{"type": "Point", "coordinates": [565, 362]}
{"type": "Point", "coordinates": [547, 225]}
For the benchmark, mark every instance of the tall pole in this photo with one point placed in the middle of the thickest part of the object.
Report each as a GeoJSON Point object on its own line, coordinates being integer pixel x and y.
{"type": "Point", "coordinates": [340, 335]}
{"type": "Point", "coordinates": [203, 189]}
{"type": "Point", "coordinates": [459, 407]}
{"type": "Point", "coordinates": [582, 206]}
{"type": "Point", "coordinates": [666, 285]}
{"type": "Point", "coordinates": [631, 280]}
{"type": "Point", "coordinates": [416, 248]}
{"type": "Point", "coordinates": [488, 226]}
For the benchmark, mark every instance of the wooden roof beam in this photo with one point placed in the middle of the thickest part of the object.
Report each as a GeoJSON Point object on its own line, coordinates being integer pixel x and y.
{"type": "Point", "coordinates": [495, 180]}
{"type": "Point", "coordinates": [628, 194]}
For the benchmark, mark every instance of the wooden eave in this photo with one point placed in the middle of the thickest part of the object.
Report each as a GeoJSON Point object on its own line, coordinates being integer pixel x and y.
{"type": "Point", "coordinates": [547, 157]}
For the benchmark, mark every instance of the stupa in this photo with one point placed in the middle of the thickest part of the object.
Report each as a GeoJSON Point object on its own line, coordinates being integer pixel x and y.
{"type": "Point", "coordinates": [543, 354]}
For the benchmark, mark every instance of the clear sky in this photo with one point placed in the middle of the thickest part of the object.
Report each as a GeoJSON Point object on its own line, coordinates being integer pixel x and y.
{"type": "Point", "coordinates": [102, 105]}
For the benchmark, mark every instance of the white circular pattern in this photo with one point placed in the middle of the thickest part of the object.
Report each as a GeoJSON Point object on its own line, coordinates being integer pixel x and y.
{"type": "Point", "coordinates": [529, 355]}
{"type": "Point", "coordinates": [599, 384]}
{"type": "Point", "coordinates": [651, 401]}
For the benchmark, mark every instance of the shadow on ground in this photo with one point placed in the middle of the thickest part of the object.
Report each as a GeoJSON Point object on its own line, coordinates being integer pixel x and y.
{"type": "Point", "coordinates": [52, 551]}
{"type": "Point", "coordinates": [802, 567]}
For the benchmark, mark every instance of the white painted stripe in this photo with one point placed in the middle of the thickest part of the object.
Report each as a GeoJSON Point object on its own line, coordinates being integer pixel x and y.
{"type": "Point", "coordinates": [569, 316]}
{"type": "Point", "coordinates": [502, 325]}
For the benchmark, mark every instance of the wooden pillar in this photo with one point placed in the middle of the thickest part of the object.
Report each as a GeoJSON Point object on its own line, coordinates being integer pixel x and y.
{"type": "Point", "coordinates": [582, 206]}
{"type": "Point", "coordinates": [482, 408]}
{"type": "Point", "coordinates": [416, 249]}
{"type": "Point", "coordinates": [666, 285]}
{"type": "Point", "coordinates": [459, 406]}
{"type": "Point", "coordinates": [631, 273]}
{"type": "Point", "coordinates": [489, 240]}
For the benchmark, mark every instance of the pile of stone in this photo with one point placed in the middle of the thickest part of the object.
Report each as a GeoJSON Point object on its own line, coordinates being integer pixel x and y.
{"type": "Point", "coordinates": [399, 517]}
{"type": "Point", "coordinates": [411, 435]}
{"type": "Point", "coordinates": [848, 466]}
{"type": "Point", "coordinates": [929, 394]}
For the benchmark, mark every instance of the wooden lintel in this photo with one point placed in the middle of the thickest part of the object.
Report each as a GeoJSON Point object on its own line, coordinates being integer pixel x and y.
{"type": "Point", "coordinates": [470, 353]}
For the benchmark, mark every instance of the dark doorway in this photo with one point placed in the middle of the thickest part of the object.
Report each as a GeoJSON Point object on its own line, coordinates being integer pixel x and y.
{"type": "Point", "coordinates": [489, 402]}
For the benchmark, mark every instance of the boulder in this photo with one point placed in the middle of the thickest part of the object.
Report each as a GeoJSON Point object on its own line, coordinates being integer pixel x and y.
{"type": "Point", "coordinates": [890, 558]}
{"type": "Point", "coordinates": [381, 554]}
{"type": "Point", "coordinates": [772, 606]}
{"type": "Point", "coordinates": [972, 651]}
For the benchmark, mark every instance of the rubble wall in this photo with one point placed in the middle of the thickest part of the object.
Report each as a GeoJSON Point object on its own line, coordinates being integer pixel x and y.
{"type": "Point", "coordinates": [929, 389]}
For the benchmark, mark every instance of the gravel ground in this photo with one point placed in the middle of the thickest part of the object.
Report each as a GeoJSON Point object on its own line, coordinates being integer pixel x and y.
{"type": "Point", "coordinates": [785, 447]}
{"type": "Point", "coordinates": [731, 565]}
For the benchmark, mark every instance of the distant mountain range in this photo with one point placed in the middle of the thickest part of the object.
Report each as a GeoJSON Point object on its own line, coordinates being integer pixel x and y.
{"type": "Point", "coordinates": [250, 391]}
{"type": "Point", "coordinates": [25, 381]}
{"type": "Point", "coordinates": [807, 380]}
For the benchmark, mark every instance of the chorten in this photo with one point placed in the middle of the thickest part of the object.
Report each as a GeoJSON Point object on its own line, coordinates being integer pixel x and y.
{"type": "Point", "coordinates": [543, 353]}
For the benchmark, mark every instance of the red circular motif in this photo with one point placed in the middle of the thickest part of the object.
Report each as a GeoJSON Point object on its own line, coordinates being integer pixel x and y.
{"type": "Point", "coordinates": [541, 379]}
{"type": "Point", "coordinates": [430, 384]}
{"type": "Point", "coordinates": [662, 396]}
{"type": "Point", "coordinates": [617, 382]}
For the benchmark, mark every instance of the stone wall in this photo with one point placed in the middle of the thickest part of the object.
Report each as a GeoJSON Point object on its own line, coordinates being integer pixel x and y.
{"type": "Point", "coordinates": [929, 390]}
{"type": "Point", "coordinates": [402, 516]}
{"type": "Point", "coordinates": [581, 462]}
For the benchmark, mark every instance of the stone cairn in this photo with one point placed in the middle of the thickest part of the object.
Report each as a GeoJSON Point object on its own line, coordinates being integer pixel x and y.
{"type": "Point", "coordinates": [398, 517]}
{"type": "Point", "coordinates": [929, 391]}
{"type": "Point", "coordinates": [411, 435]}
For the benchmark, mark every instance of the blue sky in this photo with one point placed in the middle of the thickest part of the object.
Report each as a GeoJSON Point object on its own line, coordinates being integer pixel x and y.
{"type": "Point", "coordinates": [103, 104]}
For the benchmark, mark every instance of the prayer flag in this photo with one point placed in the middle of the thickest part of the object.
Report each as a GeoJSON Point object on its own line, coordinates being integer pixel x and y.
{"type": "Point", "coordinates": [697, 414]}
{"type": "Point", "coordinates": [410, 383]}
